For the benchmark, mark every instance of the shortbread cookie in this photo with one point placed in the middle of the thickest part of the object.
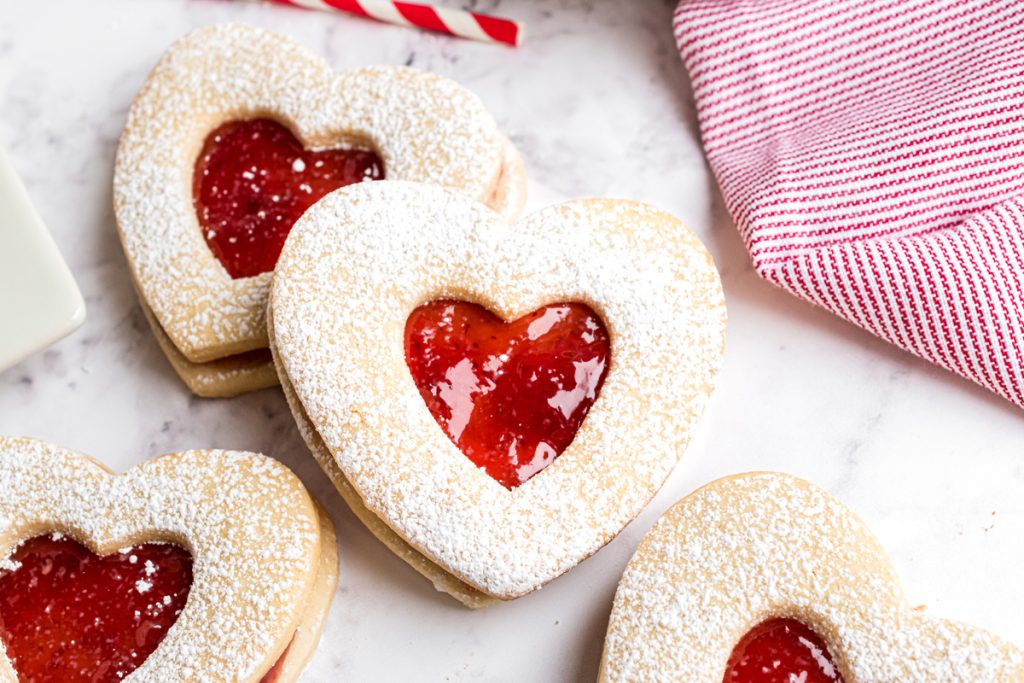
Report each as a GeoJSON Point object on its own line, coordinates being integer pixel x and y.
{"type": "Point", "coordinates": [443, 580]}
{"type": "Point", "coordinates": [765, 577]}
{"type": "Point", "coordinates": [495, 401]}
{"type": "Point", "coordinates": [234, 134]}
{"type": "Point", "coordinates": [196, 566]}
{"type": "Point", "coordinates": [230, 376]}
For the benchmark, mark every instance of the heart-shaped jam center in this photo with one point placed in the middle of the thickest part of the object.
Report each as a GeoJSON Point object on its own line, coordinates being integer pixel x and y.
{"type": "Point", "coordinates": [252, 181]}
{"type": "Point", "coordinates": [69, 615]}
{"type": "Point", "coordinates": [510, 395]}
{"type": "Point", "coordinates": [781, 651]}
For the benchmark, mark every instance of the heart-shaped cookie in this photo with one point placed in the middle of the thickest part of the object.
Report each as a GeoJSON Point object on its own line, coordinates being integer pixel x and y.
{"type": "Point", "coordinates": [236, 533]}
{"type": "Point", "coordinates": [211, 171]}
{"type": "Point", "coordinates": [766, 563]}
{"type": "Point", "coordinates": [367, 256]}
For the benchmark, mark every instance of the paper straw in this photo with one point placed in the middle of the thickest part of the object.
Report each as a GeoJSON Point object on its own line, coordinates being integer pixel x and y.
{"type": "Point", "coordinates": [451, 21]}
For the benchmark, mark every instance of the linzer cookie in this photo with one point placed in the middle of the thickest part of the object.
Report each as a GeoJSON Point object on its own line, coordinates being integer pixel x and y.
{"type": "Point", "coordinates": [764, 578]}
{"type": "Point", "coordinates": [213, 566]}
{"type": "Point", "coordinates": [235, 133]}
{"type": "Point", "coordinates": [495, 401]}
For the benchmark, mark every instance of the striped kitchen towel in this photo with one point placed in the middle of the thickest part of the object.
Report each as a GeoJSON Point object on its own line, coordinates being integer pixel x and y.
{"type": "Point", "coordinates": [871, 153]}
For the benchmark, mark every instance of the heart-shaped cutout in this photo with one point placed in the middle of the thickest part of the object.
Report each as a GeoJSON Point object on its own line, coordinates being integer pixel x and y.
{"type": "Point", "coordinates": [252, 181]}
{"type": "Point", "coordinates": [68, 614]}
{"type": "Point", "coordinates": [765, 550]}
{"type": "Point", "coordinates": [510, 395]}
{"type": "Point", "coordinates": [204, 274]}
{"type": "Point", "coordinates": [366, 256]}
{"type": "Point", "coordinates": [781, 651]}
{"type": "Point", "coordinates": [212, 566]}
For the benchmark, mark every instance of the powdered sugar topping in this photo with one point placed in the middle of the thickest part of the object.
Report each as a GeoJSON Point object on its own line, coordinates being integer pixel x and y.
{"type": "Point", "coordinates": [365, 256]}
{"type": "Point", "coordinates": [753, 547]}
{"type": "Point", "coordinates": [424, 127]}
{"type": "Point", "coordinates": [247, 521]}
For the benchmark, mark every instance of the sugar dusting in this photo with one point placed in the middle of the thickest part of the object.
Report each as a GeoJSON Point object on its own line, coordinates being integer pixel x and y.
{"type": "Point", "coordinates": [425, 127]}
{"type": "Point", "coordinates": [364, 257]}
{"type": "Point", "coordinates": [223, 377]}
{"type": "Point", "coordinates": [248, 522]}
{"type": "Point", "coordinates": [748, 548]}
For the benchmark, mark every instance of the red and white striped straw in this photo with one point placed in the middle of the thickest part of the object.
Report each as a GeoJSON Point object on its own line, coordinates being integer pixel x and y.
{"type": "Point", "coordinates": [451, 21]}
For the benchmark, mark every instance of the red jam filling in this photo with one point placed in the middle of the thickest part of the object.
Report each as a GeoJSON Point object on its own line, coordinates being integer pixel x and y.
{"type": "Point", "coordinates": [69, 616]}
{"type": "Point", "coordinates": [781, 651]}
{"type": "Point", "coordinates": [274, 675]}
{"type": "Point", "coordinates": [252, 181]}
{"type": "Point", "coordinates": [510, 395]}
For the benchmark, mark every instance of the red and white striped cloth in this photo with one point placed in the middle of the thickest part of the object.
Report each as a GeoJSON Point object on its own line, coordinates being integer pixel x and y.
{"type": "Point", "coordinates": [871, 153]}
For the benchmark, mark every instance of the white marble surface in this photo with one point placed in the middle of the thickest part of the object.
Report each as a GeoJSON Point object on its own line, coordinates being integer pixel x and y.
{"type": "Point", "coordinates": [599, 103]}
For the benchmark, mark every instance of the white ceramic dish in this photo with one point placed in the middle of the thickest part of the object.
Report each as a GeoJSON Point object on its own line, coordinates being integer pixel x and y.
{"type": "Point", "coordinates": [39, 300]}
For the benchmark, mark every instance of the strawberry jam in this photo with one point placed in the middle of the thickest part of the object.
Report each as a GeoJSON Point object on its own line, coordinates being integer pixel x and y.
{"type": "Point", "coordinates": [781, 651]}
{"type": "Point", "coordinates": [69, 616]}
{"type": "Point", "coordinates": [252, 181]}
{"type": "Point", "coordinates": [510, 395]}
{"type": "Point", "coordinates": [274, 675]}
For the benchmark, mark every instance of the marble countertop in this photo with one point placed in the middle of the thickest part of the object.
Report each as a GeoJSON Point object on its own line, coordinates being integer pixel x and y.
{"type": "Point", "coordinates": [599, 104]}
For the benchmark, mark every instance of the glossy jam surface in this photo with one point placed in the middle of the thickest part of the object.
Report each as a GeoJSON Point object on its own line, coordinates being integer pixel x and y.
{"type": "Point", "coordinates": [69, 616]}
{"type": "Point", "coordinates": [781, 651]}
{"type": "Point", "coordinates": [252, 181]}
{"type": "Point", "coordinates": [510, 395]}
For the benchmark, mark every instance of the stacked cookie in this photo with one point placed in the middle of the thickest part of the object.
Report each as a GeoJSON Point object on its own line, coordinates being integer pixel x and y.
{"type": "Point", "coordinates": [199, 225]}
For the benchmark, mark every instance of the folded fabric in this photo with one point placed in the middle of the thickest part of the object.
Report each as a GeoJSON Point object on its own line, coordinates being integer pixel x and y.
{"type": "Point", "coordinates": [871, 153]}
